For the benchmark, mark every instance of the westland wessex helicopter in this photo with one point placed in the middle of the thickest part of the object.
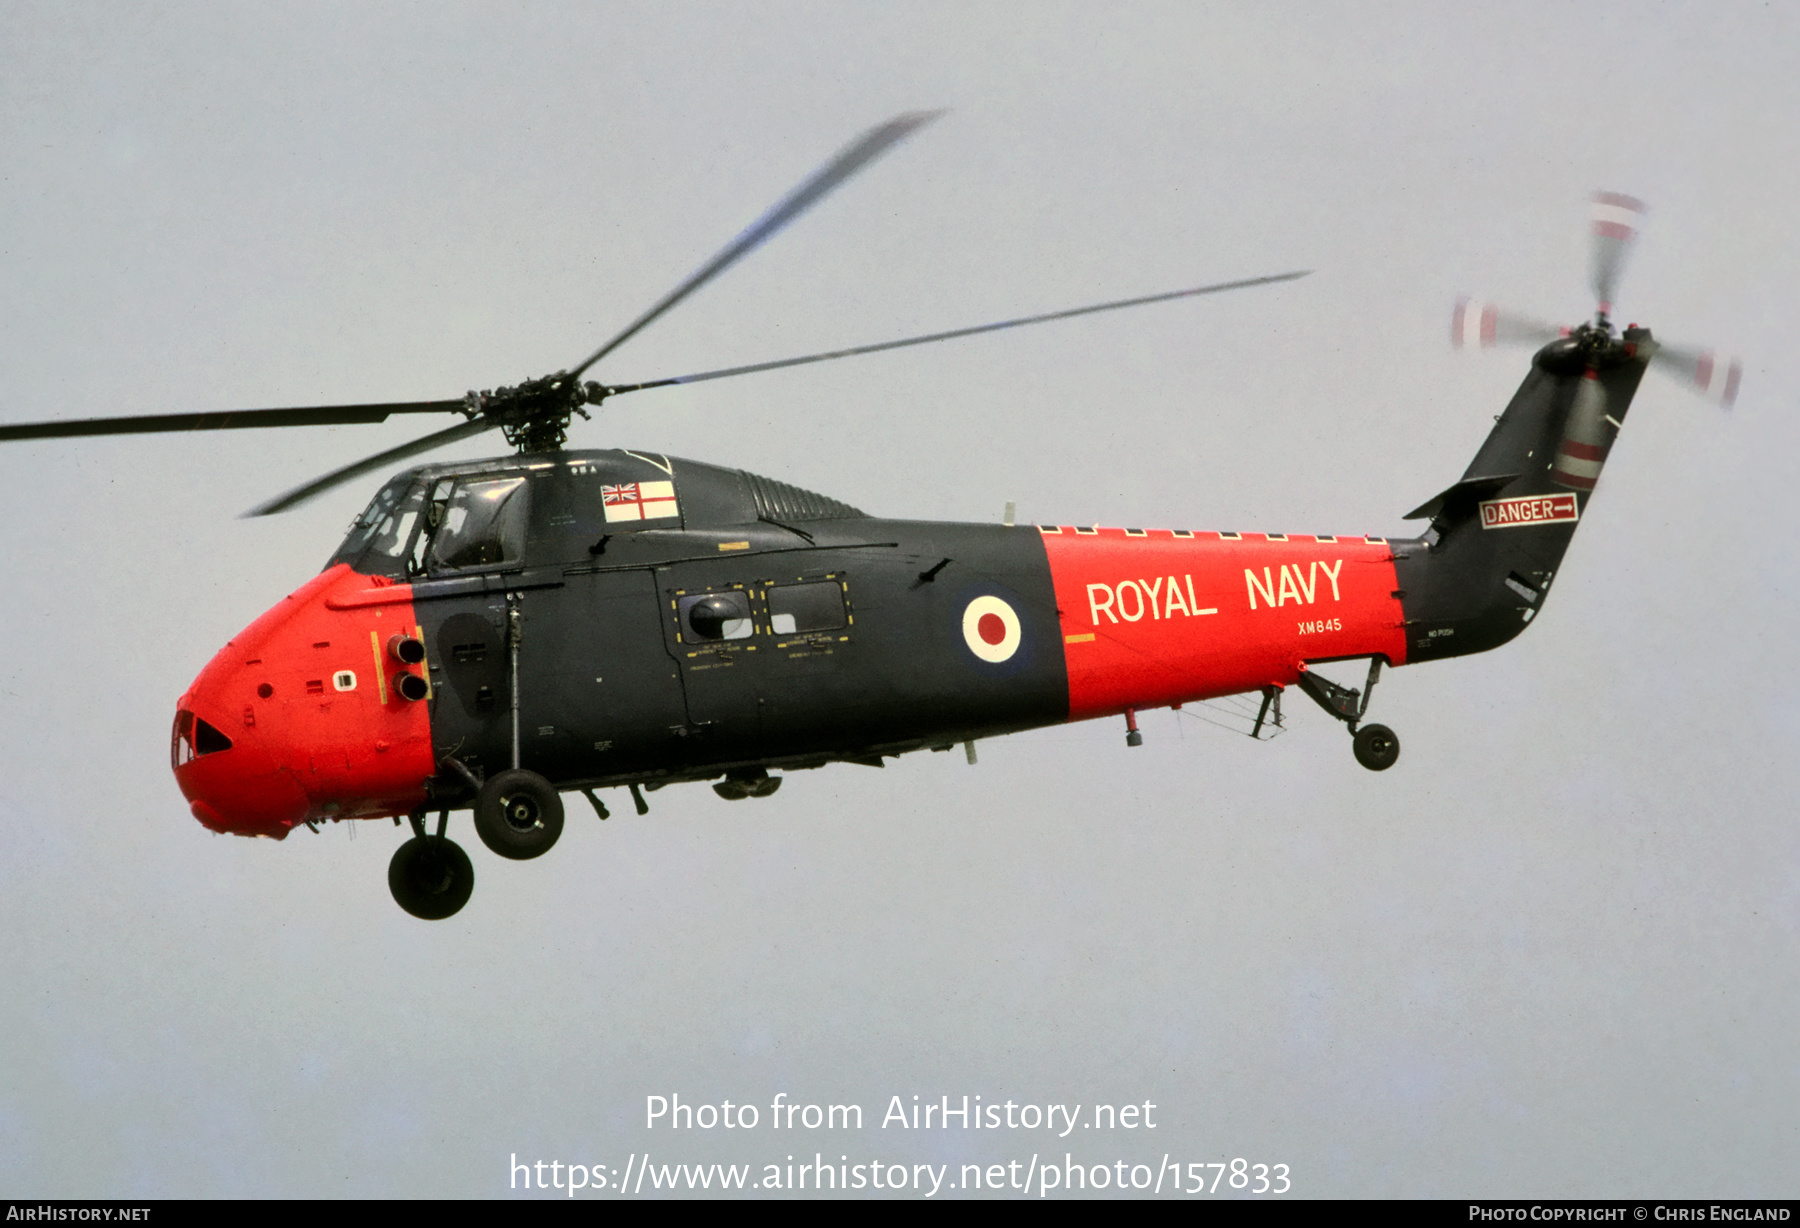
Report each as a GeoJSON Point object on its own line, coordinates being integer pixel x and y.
{"type": "Point", "coordinates": [495, 633]}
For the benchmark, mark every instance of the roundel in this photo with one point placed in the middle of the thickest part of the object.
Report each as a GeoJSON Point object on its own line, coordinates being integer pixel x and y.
{"type": "Point", "coordinates": [991, 629]}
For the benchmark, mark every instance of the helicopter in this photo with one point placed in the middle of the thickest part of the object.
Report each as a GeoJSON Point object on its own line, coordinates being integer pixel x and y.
{"type": "Point", "coordinates": [493, 634]}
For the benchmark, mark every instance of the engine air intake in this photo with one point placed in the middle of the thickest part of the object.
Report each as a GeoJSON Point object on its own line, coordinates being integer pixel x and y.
{"type": "Point", "coordinates": [780, 502]}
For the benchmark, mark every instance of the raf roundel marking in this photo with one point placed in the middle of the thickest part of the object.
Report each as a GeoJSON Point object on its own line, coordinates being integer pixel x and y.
{"type": "Point", "coordinates": [991, 629]}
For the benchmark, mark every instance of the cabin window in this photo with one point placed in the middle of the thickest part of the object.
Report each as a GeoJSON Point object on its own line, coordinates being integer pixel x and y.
{"type": "Point", "coordinates": [480, 524]}
{"type": "Point", "coordinates": [715, 616]}
{"type": "Point", "coordinates": [795, 609]}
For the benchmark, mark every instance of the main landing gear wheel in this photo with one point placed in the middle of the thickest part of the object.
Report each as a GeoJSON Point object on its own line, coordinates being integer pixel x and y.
{"type": "Point", "coordinates": [518, 814]}
{"type": "Point", "coordinates": [431, 877]}
{"type": "Point", "coordinates": [1377, 747]}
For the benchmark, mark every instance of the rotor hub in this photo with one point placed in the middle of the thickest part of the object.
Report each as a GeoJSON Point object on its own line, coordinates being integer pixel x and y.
{"type": "Point", "coordinates": [534, 414]}
{"type": "Point", "coordinates": [1596, 340]}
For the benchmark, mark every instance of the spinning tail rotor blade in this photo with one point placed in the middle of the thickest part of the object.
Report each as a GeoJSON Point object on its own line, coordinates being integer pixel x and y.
{"type": "Point", "coordinates": [1478, 324]}
{"type": "Point", "coordinates": [318, 486]}
{"type": "Point", "coordinates": [1703, 371]}
{"type": "Point", "coordinates": [1616, 219]}
{"type": "Point", "coordinates": [864, 150]}
{"type": "Point", "coordinates": [1713, 375]}
{"type": "Point", "coordinates": [955, 332]}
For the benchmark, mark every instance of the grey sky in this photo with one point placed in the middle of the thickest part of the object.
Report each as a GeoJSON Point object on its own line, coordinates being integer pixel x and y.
{"type": "Point", "coordinates": [1551, 952]}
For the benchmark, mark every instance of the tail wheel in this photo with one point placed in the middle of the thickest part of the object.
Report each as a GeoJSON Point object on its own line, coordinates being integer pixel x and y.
{"type": "Point", "coordinates": [1377, 747]}
{"type": "Point", "coordinates": [519, 815]}
{"type": "Point", "coordinates": [431, 877]}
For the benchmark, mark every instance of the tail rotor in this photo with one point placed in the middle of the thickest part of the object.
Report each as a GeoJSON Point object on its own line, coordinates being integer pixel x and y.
{"type": "Point", "coordinates": [1616, 221]}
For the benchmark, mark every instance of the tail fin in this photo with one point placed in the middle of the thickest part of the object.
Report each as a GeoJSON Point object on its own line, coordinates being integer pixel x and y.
{"type": "Point", "coordinates": [1497, 537]}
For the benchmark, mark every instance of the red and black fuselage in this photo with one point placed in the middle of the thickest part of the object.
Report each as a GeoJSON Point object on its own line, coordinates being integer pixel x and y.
{"type": "Point", "coordinates": [617, 617]}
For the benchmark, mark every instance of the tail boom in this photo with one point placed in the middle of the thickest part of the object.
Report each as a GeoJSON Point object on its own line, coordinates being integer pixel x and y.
{"type": "Point", "coordinates": [1497, 538]}
{"type": "Point", "coordinates": [1153, 618]}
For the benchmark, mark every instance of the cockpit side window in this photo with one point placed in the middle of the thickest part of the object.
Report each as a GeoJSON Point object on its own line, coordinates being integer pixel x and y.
{"type": "Point", "coordinates": [480, 524]}
{"type": "Point", "coordinates": [378, 538]}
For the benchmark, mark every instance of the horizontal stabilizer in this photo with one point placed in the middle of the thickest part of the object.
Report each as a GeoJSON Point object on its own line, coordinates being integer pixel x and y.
{"type": "Point", "coordinates": [1468, 491]}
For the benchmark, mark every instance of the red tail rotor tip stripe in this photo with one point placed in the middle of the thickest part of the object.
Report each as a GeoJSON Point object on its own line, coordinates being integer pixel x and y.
{"type": "Point", "coordinates": [1474, 324]}
{"type": "Point", "coordinates": [1716, 379]}
{"type": "Point", "coordinates": [1616, 216]}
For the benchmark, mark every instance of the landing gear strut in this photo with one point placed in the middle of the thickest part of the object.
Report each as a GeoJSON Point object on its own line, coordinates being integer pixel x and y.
{"type": "Point", "coordinates": [430, 876]}
{"type": "Point", "coordinates": [1376, 746]}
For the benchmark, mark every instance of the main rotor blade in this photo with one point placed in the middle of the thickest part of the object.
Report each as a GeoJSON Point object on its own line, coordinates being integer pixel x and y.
{"type": "Point", "coordinates": [318, 486]}
{"type": "Point", "coordinates": [865, 149]}
{"type": "Point", "coordinates": [957, 332]}
{"type": "Point", "coordinates": [229, 420]}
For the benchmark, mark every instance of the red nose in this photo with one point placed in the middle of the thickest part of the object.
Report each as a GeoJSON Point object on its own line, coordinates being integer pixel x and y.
{"type": "Point", "coordinates": [310, 713]}
{"type": "Point", "coordinates": [234, 786]}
